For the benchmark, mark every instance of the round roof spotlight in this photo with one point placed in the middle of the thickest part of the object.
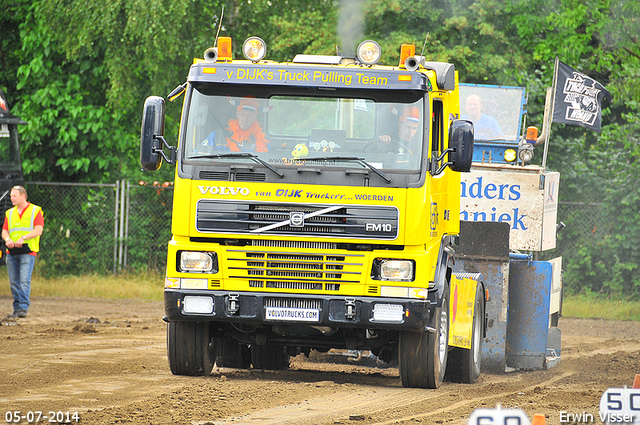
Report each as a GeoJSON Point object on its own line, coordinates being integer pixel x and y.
{"type": "Point", "coordinates": [254, 49]}
{"type": "Point", "coordinates": [369, 52]}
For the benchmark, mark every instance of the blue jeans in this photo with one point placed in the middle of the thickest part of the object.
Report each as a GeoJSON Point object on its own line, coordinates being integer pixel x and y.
{"type": "Point", "coordinates": [19, 268]}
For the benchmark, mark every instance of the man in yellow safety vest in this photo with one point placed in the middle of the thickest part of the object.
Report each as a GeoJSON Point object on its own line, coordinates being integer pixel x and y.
{"type": "Point", "coordinates": [23, 225]}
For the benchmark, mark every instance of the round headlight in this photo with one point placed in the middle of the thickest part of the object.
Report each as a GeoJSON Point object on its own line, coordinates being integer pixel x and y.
{"type": "Point", "coordinates": [510, 155]}
{"type": "Point", "coordinates": [369, 52]}
{"type": "Point", "coordinates": [254, 49]}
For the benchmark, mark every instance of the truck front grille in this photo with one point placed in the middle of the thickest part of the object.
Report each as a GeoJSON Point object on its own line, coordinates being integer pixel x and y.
{"type": "Point", "coordinates": [292, 303]}
{"type": "Point", "coordinates": [295, 271]}
{"type": "Point", "coordinates": [342, 221]}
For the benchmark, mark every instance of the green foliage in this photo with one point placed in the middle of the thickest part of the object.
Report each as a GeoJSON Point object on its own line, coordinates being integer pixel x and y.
{"type": "Point", "coordinates": [71, 134]}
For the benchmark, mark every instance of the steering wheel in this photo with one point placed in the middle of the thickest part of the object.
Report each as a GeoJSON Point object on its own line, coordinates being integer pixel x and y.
{"type": "Point", "coordinates": [386, 145]}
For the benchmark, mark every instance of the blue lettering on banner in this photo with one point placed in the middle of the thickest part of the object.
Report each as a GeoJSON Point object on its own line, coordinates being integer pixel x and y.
{"type": "Point", "coordinates": [477, 190]}
{"type": "Point", "coordinates": [515, 219]}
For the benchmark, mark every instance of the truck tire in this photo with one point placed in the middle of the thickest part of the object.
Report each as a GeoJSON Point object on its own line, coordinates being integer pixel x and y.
{"type": "Point", "coordinates": [190, 348]}
{"type": "Point", "coordinates": [422, 356]}
{"type": "Point", "coordinates": [234, 354]}
{"type": "Point", "coordinates": [464, 364]}
{"type": "Point", "coordinates": [269, 357]}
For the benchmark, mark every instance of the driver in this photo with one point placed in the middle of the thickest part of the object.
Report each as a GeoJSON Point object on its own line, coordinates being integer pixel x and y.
{"type": "Point", "coordinates": [408, 124]}
{"type": "Point", "coordinates": [245, 130]}
{"type": "Point", "coordinates": [243, 134]}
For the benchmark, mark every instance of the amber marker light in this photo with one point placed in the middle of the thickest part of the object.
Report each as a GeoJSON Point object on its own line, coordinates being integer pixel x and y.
{"type": "Point", "coordinates": [224, 48]}
{"type": "Point", "coordinates": [404, 77]}
{"type": "Point", "coordinates": [532, 134]}
{"type": "Point", "coordinates": [406, 51]}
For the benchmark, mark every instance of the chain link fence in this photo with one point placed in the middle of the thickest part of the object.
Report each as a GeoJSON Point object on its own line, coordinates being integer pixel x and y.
{"type": "Point", "coordinates": [585, 224]}
{"type": "Point", "coordinates": [111, 228]}
{"type": "Point", "coordinates": [102, 228]}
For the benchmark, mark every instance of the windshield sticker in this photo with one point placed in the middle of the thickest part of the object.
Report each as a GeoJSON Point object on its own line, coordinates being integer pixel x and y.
{"type": "Point", "coordinates": [292, 193]}
{"type": "Point", "coordinates": [309, 195]}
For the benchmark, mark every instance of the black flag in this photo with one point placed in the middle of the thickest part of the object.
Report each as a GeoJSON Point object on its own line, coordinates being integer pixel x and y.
{"type": "Point", "coordinates": [578, 98]}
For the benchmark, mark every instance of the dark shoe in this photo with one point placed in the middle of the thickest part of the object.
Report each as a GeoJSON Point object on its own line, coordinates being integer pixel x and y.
{"type": "Point", "coordinates": [13, 315]}
{"type": "Point", "coordinates": [21, 314]}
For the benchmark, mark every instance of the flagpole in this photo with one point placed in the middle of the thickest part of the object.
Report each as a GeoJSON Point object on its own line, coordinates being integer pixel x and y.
{"type": "Point", "coordinates": [550, 119]}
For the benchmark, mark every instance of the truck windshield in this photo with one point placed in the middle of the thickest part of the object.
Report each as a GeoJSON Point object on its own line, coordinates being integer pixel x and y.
{"type": "Point", "coordinates": [291, 128]}
{"type": "Point", "coordinates": [494, 110]}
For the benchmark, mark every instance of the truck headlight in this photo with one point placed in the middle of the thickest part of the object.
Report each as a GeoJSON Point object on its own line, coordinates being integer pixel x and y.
{"type": "Point", "coordinates": [198, 262]}
{"type": "Point", "coordinates": [392, 269]}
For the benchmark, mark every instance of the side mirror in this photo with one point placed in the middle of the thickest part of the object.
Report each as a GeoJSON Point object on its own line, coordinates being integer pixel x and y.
{"type": "Point", "coordinates": [152, 133]}
{"type": "Point", "coordinates": [461, 143]}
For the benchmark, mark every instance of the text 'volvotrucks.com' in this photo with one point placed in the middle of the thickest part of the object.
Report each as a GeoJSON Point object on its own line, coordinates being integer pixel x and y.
{"type": "Point", "coordinates": [316, 203]}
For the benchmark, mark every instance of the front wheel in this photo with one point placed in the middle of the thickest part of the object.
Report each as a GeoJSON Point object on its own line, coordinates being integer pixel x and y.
{"type": "Point", "coordinates": [190, 348]}
{"type": "Point", "coordinates": [423, 356]}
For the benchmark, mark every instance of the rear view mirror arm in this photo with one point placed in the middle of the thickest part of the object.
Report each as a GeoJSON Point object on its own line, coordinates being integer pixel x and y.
{"type": "Point", "coordinates": [171, 158]}
{"type": "Point", "coordinates": [438, 159]}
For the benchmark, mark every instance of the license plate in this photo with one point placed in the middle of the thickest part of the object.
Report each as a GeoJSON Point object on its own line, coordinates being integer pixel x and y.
{"type": "Point", "coordinates": [292, 314]}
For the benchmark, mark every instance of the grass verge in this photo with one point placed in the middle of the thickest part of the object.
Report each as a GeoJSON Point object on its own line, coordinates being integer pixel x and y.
{"type": "Point", "coordinates": [600, 307]}
{"type": "Point", "coordinates": [134, 286]}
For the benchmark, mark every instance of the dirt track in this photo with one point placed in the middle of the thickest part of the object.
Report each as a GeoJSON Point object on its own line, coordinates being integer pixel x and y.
{"type": "Point", "coordinates": [106, 360]}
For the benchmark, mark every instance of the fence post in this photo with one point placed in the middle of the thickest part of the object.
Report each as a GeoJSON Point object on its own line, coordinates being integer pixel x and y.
{"type": "Point", "coordinates": [126, 223]}
{"type": "Point", "coordinates": [115, 229]}
{"type": "Point", "coordinates": [121, 230]}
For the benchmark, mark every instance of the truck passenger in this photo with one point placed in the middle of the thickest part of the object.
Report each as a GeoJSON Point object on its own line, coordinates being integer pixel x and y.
{"type": "Point", "coordinates": [485, 127]}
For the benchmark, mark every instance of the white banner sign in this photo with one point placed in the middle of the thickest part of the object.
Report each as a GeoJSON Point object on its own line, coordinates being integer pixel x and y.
{"type": "Point", "coordinates": [526, 198]}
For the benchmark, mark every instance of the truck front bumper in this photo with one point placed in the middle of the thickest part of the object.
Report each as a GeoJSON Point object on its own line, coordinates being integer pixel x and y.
{"type": "Point", "coordinates": [251, 308]}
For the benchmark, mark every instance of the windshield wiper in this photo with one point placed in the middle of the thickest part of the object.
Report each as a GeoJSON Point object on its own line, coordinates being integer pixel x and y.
{"type": "Point", "coordinates": [349, 158]}
{"type": "Point", "coordinates": [254, 157]}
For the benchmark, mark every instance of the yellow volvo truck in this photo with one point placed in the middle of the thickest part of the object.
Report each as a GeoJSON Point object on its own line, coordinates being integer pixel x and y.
{"type": "Point", "coordinates": [316, 203]}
